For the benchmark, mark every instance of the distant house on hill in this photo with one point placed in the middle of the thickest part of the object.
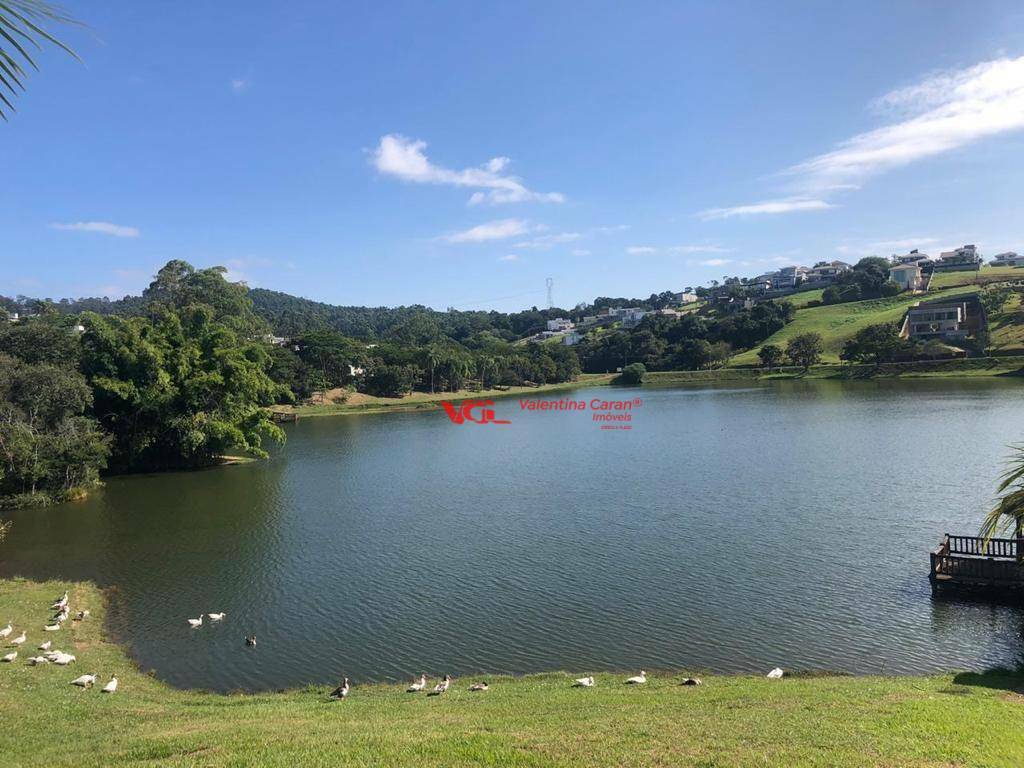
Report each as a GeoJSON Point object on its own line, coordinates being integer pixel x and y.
{"type": "Point", "coordinates": [560, 324]}
{"type": "Point", "coordinates": [963, 258]}
{"type": "Point", "coordinates": [947, 320]}
{"type": "Point", "coordinates": [826, 271]}
{"type": "Point", "coordinates": [1008, 259]}
{"type": "Point", "coordinates": [922, 260]}
{"type": "Point", "coordinates": [907, 276]}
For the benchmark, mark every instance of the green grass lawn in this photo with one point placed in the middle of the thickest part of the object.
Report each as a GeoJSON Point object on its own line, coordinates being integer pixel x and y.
{"type": "Point", "coordinates": [838, 322]}
{"type": "Point", "coordinates": [539, 720]}
{"type": "Point", "coordinates": [986, 274]}
{"type": "Point", "coordinates": [1006, 327]}
{"type": "Point", "coordinates": [802, 298]}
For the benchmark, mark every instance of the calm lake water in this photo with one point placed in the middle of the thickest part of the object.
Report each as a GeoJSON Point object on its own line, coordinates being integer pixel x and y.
{"type": "Point", "coordinates": [732, 529]}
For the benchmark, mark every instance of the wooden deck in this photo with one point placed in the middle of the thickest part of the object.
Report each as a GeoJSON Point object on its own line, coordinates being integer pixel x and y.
{"type": "Point", "coordinates": [966, 562]}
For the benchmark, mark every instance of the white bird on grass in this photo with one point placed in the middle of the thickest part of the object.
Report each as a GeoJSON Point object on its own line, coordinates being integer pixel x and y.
{"type": "Point", "coordinates": [51, 628]}
{"type": "Point", "coordinates": [216, 616]}
{"type": "Point", "coordinates": [775, 674]}
{"type": "Point", "coordinates": [63, 659]}
{"type": "Point", "coordinates": [479, 687]}
{"type": "Point", "coordinates": [35, 661]}
{"type": "Point", "coordinates": [691, 681]}
{"type": "Point", "coordinates": [86, 681]}
{"type": "Point", "coordinates": [111, 686]}
{"type": "Point", "coordinates": [6, 630]}
{"type": "Point", "coordinates": [341, 691]}
{"type": "Point", "coordinates": [83, 615]}
{"type": "Point", "coordinates": [638, 679]}
{"type": "Point", "coordinates": [195, 623]}
{"type": "Point", "coordinates": [59, 604]}
{"type": "Point", "coordinates": [19, 639]}
{"type": "Point", "coordinates": [45, 646]}
{"type": "Point", "coordinates": [442, 686]}
{"type": "Point", "coordinates": [11, 656]}
{"type": "Point", "coordinates": [583, 682]}
{"type": "Point", "coordinates": [417, 685]}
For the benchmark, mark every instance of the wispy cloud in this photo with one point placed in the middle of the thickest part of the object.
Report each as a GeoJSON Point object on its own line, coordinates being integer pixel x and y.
{"type": "Point", "coordinates": [509, 257]}
{"type": "Point", "coordinates": [781, 205]}
{"type": "Point", "coordinates": [942, 113]}
{"type": "Point", "coordinates": [404, 158]}
{"type": "Point", "coordinates": [581, 252]}
{"type": "Point", "coordinates": [546, 241]}
{"type": "Point", "coordinates": [698, 249]}
{"type": "Point", "coordinates": [640, 250]}
{"type": "Point", "coordinates": [714, 262]}
{"type": "Point", "coordinates": [502, 229]}
{"type": "Point", "coordinates": [238, 85]}
{"type": "Point", "coordinates": [101, 227]}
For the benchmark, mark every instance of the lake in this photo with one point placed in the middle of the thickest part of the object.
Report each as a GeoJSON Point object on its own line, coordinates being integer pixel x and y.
{"type": "Point", "coordinates": [732, 529]}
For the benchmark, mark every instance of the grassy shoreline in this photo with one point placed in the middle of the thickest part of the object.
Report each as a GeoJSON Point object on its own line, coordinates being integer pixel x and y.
{"type": "Point", "coordinates": [419, 401]}
{"type": "Point", "coordinates": [536, 720]}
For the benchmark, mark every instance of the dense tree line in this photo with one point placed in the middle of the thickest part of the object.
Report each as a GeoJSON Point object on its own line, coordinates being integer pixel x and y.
{"type": "Point", "coordinates": [689, 342]}
{"type": "Point", "coordinates": [869, 279]}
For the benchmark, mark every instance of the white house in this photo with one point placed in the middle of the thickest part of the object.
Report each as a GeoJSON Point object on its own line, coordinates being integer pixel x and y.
{"type": "Point", "coordinates": [560, 324]}
{"type": "Point", "coordinates": [572, 337]}
{"type": "Point", "coordinates": [964, 257]}
{"type": "Point", "coordinates": [907, 277]}
{"type": "Point", "coordinates": [1008, 259]}
{"type": "Point", "coordinates": [684, 297]}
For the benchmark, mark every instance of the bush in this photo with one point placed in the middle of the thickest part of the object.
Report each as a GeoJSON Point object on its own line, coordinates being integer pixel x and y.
{"type": "Point", "coordinates": [632, 375]}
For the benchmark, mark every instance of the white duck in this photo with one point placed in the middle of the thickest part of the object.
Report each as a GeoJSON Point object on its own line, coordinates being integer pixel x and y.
{"type": "Point", "coordinates": [342, 690]}
{"type": "Point", "coordinates": [775, 674]}
{"type": "Point", "coordinates": [52, 627]}
{"type": "Point", "coordinates": [83, 615]}
{"type": "Point", "coordinates": [11, 656]}
{"type": "Point", "coordinates": [195, 623]}
{"type": "Point", "coordinates": [59, 604]}
{"type": "Point", "coordinates": [6, 630]}
{"type": "Point", "coordinates": [86, 681]}
{"type": "Point", "coordinates": [442, 686]}
{"type": "Point", "coordinates": [216, 616]}
{"type": "Point", "coordinates": [63, 659]}
{"type": "Point", "coordinates": [111, 686]}
{"type": "Point", "coordinates": [638, 679]}
{"type": "Point", "coordinates": [417, 685]}
{"type": "Point", "coordinates": [35, 661]}
{"type": "Point", "coordinates": [45, 646]}
{"type": "Point", "coordinates": [583, 682]}
{"type": "Point", "coordinates": [19, 639]}
{"type": "Point", "coordinates": [479, 686]}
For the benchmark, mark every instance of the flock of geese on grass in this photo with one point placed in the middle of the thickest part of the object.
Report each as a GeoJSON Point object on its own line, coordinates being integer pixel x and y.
{"type": "Point", "coordinates": [420, 684]}
{"type": "Point", "coordinates": [341, 692]}
{"type": "Point", "coordinates": [60, 658]}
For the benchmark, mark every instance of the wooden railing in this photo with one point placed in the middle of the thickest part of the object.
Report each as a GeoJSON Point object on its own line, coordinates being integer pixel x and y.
{"type": "Point", "coordinates": [972, 560]}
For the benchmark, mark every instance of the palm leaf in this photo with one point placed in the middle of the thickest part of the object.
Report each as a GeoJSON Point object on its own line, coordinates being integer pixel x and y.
{"type": "Point", "coordinates": [21, 29]}
{"type": "Point", "coordinates": [1008, 513]}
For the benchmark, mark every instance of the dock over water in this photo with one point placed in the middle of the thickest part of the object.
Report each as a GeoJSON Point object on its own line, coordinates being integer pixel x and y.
{"type": "Point", "coordinates": [971, 563]}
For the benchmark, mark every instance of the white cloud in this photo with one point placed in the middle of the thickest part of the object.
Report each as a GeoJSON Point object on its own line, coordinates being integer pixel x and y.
{"type": "Point", "coordinates": [942, 113]}
{"type": "Point", "coordinates": [580, 252]}
{"type": "Point", "coordinates": [546, 241]}
{"type": "Point", "coordinates": [509, 257]}
{"type": "Point", "coordinates": [238, 85]}
{"type": "Point", "coordinates": [501, 229]}
{"type": "Point", "coordinates": [102, 227]}
{"type": "Point", "coordinates": [782, 205]}
{"type": "Point", "coordinates": [404, 158]}
{"type": "Point", "coordinates": [714, 262]}
{"type": "Point", "coordinates": [640, 250]}
{"type": "Point", "coordinates": [698, 249]}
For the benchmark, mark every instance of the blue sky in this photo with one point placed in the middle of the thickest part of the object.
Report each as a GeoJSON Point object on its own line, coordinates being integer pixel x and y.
{"type": "Point", "coordinates": [457, 154]}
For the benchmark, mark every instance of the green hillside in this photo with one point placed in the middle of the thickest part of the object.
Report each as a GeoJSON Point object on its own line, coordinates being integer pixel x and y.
{"type": "Point", "coordinates": [838, 322]}
{"type": "Point", "coordinates": [971, 277]}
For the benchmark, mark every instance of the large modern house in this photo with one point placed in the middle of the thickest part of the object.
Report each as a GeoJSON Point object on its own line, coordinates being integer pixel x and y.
{"type": "Point", "coordinates": [963, 258]}
{"type": "Point", "coordinates": [1008, 259]}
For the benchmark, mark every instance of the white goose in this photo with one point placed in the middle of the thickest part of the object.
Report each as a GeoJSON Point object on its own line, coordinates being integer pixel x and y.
{"type": "Point", "coordinates": [775, 674]}
{"type": "Point", "coordinates": [10, 657]}
{"type": "Point", "coordinates": [45, 646]}
{"type": "Point", "coordinates": [35, 661]}
{"type": "Point", "coordinates": [111, 686]}
{"type": "Point", "coordinates": [63, 659]}
{"type": "Point", "coordinates": [216, 616]}
{"type": "Point", "coordinates": [51, 628]}
{"type": "Point", "coordinates": [638, 679]}
{"type": "Point", "coordinates": [417, 685]}
{"type": "Point", "coordinates": [196, 623]}
{"type": "Point", "coordinates": [19, 639]}
{"type": "Point", "coordinates": [342, 690]}
{"type": "Point", "coordinates": [442, 686]}
{"type": "Point", "coordinates": [59, 604]}
{"type": "Point", "coordinates": [6, 630]}
{"type": "Point", "coordinates": [86, 681]}
{"type": "Point", "coordinates": [583, 682]}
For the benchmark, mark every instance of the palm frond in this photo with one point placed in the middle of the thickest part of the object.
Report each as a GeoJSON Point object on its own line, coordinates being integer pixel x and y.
{"type": "Point", "coordinates": [1008, 513]}
{"type": "Point", "coordinates": [21, 30]}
